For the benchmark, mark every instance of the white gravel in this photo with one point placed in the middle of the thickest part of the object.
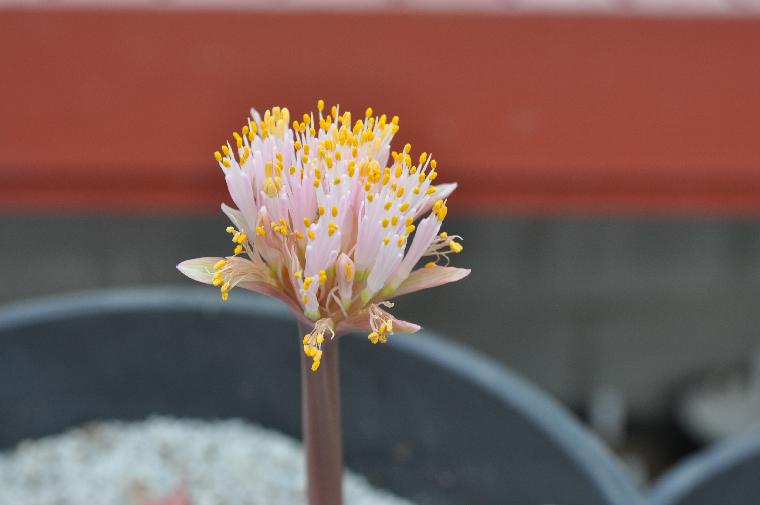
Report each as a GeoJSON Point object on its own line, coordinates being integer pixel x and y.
{"type": "Point", "coordinates": [118, 463]}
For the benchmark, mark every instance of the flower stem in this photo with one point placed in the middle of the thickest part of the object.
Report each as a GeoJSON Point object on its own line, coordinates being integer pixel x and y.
{"type": "Point", "coordinates": [320, 405]}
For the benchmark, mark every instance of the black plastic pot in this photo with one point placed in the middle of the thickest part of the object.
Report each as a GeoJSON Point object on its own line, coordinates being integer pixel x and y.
{"type": "Point", "coordinates": [423, 417]}
{"type": "Point", "coordinates": [724, 474]}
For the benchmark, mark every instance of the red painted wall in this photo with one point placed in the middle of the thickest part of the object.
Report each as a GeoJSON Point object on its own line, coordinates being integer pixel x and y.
{"type": "Point", "coordinates": [122, 109]}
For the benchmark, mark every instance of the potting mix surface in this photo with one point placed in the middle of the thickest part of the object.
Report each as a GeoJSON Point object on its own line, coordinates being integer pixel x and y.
{"type": "Point", "coordinates": [213, 463]}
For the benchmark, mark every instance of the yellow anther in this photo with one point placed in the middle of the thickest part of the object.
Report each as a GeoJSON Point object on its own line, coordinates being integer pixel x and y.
{"type": "Point", "coordinates": [238, 249]}
{"type": "Point", "coordinates": [312, 235]}
{"type": "Point", "coordinates": [306, 149]}
{"type": "Point", "coordinates": [307, 282]}
{"type": "Point", "coordinates": [261, 231]}
{"type": "Point", "coordinates": [321, 210]}
{"type": "Point", "coordinates": [217, 281]}
{"type": "Point", "coordinates": [226, 163]}
{"type": "Point", "coordinates": [394, 220]}
{"type": "Point", "coordinates": [306, 222]}
{"type": "Point", "coordinates": [441, 213]}
{"type": "Point", "coordinates": [292, 169]}
{"type": "Point", "coordinates": [219, 264]}
{"type": "Point", "coordinates": [432, 175]}
{"type": "Point", "coordinates": [225, 287]}
{"type": "Point", "coordinates": [430, 190]}
{"type": "Point", "coordinates": [384, 222]}
{"type": "Point", "coordinates": [230, 229]}
{"type": "Point", "coordinates": [400, 192]}
{"type": "Point", "coordinates": [238, 139]}
{"type": "Point", "coordinates": [225, 295]}
{"type": "Point", "coordinates": [321, 105]}
{"type": "Point", "coordinates": [335, 211]}
{"type": "Point", "coordinates": [336, 181]}
{"type": "Point", "coordinates": [394, 120]}
{"type": "Point", "coordinates": [399, 171]}
{"type": "Point", "coordinates": [407, 148]}
{"type": "Point", "coordinates": [386, 240]}
{"type": "Point", "coordinates": [297, 274]}
{"type": "Point", "coordinates": [423, 158]}
{"type": "Point", "coordinates": [368, 112]}
{"type": "Point", "coordinates": [299, 235]}
{"type": "Point", "coordinates": [416, 190]}
{"type": "Point", "coordinates": [443, 234]}
{"type": "Point", "coordinates": [322, 276]}
{"type": "Point", "coordinates": [317, 183]}
{"type": "Point", "coordinates": [271, 186]}
{"type": "Point", "coordinates": [370, 197]}
{"type": "Point", "coordinates": [409, 221]}
{"type": "Point", "coordinates": [320, 338]}
{"type": "Point", "coordinates": [430, 264]}
{"type": "Point", "coordinates": [455, 247]}
{"type": "Point", "coordinates": [351, 168]}
{"type": "Point", "coordinates": [374, 337]}
{"type": "Point", "coordinates": [410, 229]}
{"type": "Point", "coordinates": [403, 207]}
{"type": "Point", "coordinates": [331, 229]}
{"type": "Point", "coordinates": [388, 205]}
{"type": "Point", "coordinates": [217, 156]}
{"type": "Point", "coordinates": [297, 145]}
{"type": "Point", "coordinates": [241, 238]}
{"type": "Point", "coordinates": [315, 366]}
{"type": "Point", "coordinates": [226, 150]}
{"type": "Point", "coordinates": [401, 241]}
{"type": "Point", "coordinates": [434, 164]}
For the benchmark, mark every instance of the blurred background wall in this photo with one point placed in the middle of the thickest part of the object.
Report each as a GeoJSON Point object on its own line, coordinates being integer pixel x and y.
{"type": "Point", "coordinates": [606, 153]}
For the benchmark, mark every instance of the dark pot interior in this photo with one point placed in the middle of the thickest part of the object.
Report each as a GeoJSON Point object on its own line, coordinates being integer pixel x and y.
{"type": "Point", "coordinates": [423, 418]}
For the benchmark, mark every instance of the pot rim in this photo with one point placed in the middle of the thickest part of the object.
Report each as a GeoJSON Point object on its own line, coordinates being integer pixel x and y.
{"type": "Point", "coordinates": [550, 417]}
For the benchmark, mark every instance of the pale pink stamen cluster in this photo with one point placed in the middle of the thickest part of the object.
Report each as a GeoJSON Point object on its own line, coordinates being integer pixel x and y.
{"type": "Point", "coordinates": [331, 220]}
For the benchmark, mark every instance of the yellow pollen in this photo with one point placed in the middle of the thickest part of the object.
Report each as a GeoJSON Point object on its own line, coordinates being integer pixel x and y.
{"type": "Point", "coordinates": [385, 222]}
{"type": "Point", "coordinates": [297, 274]}
{"type": "Point", "coordinates": [407, 148]}
{"type": "Point", "coordinates": [410, 229]}
{"type": "Point", "coordinates": [336, 181]}
{"type": "Point", "coordinates": [218, 156]}
{"type": "Point", "coordinates": [432, 175]}
{"type": "Point", "coordinates": [230, 229]}
{"type": "Point", "coordinates": [316, 183]}
{"type": "Point", "coordinates": [423, 157]}
{"type": "Point", "coordinates": [416, 190]}
{"type": "Point", "coordinates": [321, 210]}
{"type": "Point", "coordinates": [331, 229]}
{"type": "Point", "coordinates": [430, 264]}
{"type": "Point", "coordinates": [388, 205]}
{"type": "Point", "coordinates": [386, 240]}
{"type": "Point", "coordinates": [306, 222]}
{"type": "Point", "coordinates": [320, 105]}
{"type": "Point", "coordinates": [368, 112]}
{"type": "Point", "coordinates": [374, 337]}
{"type": "Point", "coordinates": [394, 220]}
{"type": "Point", "coordinates": [226, 163]}
{"type": "Point", "coordinates": [455, 247]}
{"type": "Point", "coordinates": [261, 231]}
{"type": "Point", "coordinates": [443, 234]}
{"type": "Point", "coordinates": [226, 151]}
{"type": "Point", "coordinates": [404, 206]}
{"type": "Point", "coordinates": [299, 235]}
{"type": "Point", "coordinates": [307, 282]}
{"type": "Point", "coordinates": [334, 211]}
{"type": "Point", "coordinates": [311, 234]}
{"type": "Point", "coordinates": [434, 164]}
{"type": "Point", "coordinates": [401, 241]}
{"type": "Point", "coordinates": [314, 366]}
{"type": "Point", "coordinates": [322, 276]}
{"type": "Point", "coordinates": [430, 191]}
{"type": "Point", "coordinates": [238, 249]}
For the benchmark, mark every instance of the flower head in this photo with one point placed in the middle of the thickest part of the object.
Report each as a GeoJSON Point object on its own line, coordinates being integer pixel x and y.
{"type": "Point", "coordinates": [331, 221]}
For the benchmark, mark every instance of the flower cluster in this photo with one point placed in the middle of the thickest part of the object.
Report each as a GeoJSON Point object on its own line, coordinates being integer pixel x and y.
{"type": "Point", "coordinates": [331, 221]}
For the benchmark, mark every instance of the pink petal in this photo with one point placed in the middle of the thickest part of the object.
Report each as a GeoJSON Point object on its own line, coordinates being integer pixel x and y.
{"type": "Point", "coordinates": [199, 269]}
{"type": "Point", "coordinates": [424, 278]}
{"type": "Point", "coordinates": [360, 323]}
{"type": "Point", "coordinates": [270, 290]}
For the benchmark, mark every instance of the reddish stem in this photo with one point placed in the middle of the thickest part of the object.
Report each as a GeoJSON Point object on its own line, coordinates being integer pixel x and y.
{"type": "Point", "coordinates": [320, 405]}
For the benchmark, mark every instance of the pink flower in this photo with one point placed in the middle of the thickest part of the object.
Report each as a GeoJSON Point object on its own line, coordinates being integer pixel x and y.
{"type": "Point", "coordinates": [331, 221]}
